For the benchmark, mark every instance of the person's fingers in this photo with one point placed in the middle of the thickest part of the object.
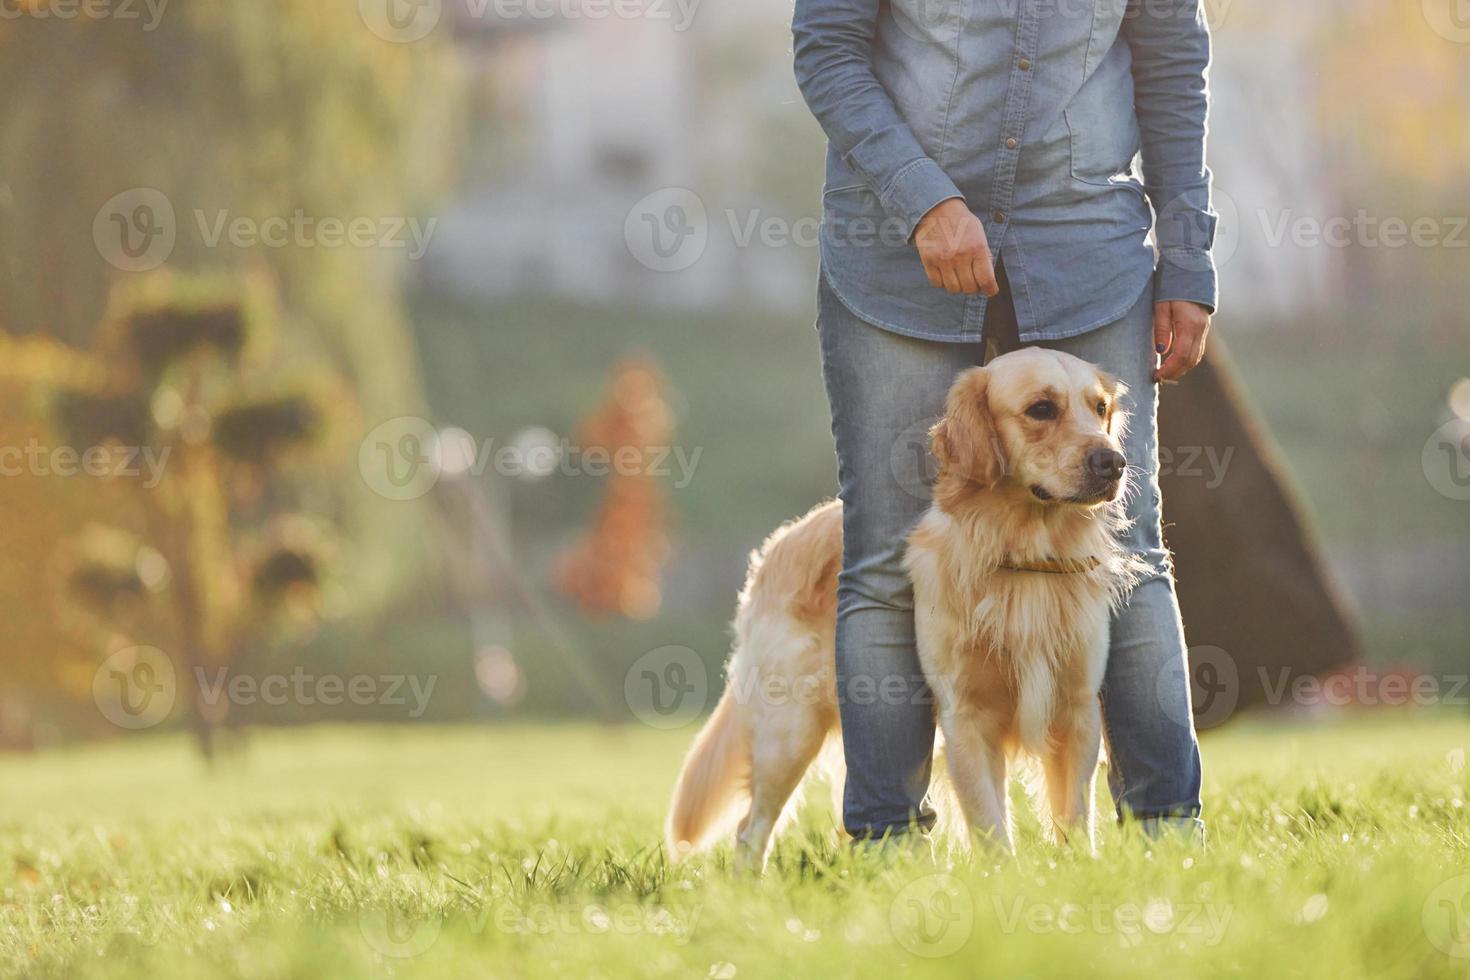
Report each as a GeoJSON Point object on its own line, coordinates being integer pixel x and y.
{"type": "Point", "coordinates": [1163, 334]}
{"type": "Point", "coordinates": [1181, 357]}
{"type": "Point", "coordinates": [966, 276]}
{"type": "Point", "coordinates": [951, 280]}
{"type": "Point", "coordinates": [984, 270]}
{"type": "Point", "coordinates": [1196, 354]}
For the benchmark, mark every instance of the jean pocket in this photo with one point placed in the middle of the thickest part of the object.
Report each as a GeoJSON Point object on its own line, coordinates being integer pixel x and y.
{"type": "Point", "coordinates": [1103, 148]}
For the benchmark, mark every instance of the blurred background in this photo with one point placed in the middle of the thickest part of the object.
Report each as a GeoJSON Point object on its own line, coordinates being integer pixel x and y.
{"type": "Point", "coordinates": [407, 361]}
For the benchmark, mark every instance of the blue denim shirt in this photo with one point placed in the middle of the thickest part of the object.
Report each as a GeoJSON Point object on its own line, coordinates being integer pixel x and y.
{"type": "Point", "coordinates": [1032, 111]}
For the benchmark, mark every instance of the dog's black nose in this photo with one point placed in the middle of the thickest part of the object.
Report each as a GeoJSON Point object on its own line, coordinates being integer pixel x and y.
{"type": "Point", "coordinates": [1106, 463]}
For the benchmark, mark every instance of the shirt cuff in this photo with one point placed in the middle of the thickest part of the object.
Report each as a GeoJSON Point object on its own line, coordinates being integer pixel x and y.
{"type": "Point", "coordinates": [914, 190]}
{"type": "Point", "coordinates": [1186, 274]}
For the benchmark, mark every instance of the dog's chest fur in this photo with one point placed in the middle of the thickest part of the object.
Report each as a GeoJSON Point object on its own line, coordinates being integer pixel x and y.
{"type": "Point", "coordinates": [1013, 646]}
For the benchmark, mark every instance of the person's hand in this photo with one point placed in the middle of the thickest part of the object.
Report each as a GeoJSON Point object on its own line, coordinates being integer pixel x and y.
{"type": "Point", "coordinates": [954, 250]}
{"type": "Point", "coordinates": [1180, 329]}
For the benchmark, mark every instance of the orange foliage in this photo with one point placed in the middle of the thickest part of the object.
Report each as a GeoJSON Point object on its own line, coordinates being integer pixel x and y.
{"type": "Point", "coordinates": [614, 567]}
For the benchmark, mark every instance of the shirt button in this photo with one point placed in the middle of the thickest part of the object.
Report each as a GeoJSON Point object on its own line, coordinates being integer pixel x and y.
{"type": "Point", "coordinates": [999, 217]}
{"type": "Point", "coordinates": [1011, 143]}
{"type": "Point", "coordinates": [1024, 64]}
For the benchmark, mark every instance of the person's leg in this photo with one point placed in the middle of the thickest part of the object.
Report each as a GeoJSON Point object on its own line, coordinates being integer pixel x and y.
{"type": "Point", "coordinates": [1154, 763]}
{"type": "Point", "coordinates": [885, 390]}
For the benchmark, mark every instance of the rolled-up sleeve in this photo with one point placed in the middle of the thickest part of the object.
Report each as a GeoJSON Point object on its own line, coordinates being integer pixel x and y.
{"type": "Point", "coordinates": [832, 45]}
{"type": "Point", "coordinates": [1170, 44]}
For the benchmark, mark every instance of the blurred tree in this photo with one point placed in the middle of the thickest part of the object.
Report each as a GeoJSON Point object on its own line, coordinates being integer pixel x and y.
{"type": "Point", "coordinates": [207, 552]}
{"type": "Point", "coordinates": [236, 110]}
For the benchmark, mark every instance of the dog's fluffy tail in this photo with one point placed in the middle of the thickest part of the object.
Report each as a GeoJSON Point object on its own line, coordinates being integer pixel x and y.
{"type": "Point", "coordinates": [716, 775]}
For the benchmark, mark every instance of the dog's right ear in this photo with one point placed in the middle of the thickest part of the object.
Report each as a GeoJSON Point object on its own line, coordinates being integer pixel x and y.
{"type": "Point", "coordinates": [965, 441]}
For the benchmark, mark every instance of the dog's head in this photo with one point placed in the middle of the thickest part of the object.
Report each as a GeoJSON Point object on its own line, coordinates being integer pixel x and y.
{"type": "Point", "coordinates": [1044, 425]}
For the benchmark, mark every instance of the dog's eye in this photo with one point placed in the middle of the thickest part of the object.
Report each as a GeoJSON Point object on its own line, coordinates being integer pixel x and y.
{"type": "Point", "coordinates": [1102, 409]}
{"type": "Point", "coordinates": [1043, 411]}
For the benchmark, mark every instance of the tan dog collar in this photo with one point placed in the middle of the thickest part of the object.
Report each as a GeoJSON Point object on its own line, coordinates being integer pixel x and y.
{"type": "Point", "coordinates": [1053, 566]}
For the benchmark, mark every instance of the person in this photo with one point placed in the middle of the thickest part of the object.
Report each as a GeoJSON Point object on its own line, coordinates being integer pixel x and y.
{"type": "Point", "coordinates": [990, 170]}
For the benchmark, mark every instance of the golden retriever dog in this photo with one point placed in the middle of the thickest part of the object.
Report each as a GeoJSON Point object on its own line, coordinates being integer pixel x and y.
{"type": "Point", "coordinates": [1016, 567]}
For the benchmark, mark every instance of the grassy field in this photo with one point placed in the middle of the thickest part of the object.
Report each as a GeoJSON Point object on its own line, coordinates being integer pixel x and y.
{"type": "Point", "coordinates": [532, 851]}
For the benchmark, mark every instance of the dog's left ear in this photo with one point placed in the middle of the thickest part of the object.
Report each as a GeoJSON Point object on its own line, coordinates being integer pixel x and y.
{"type": "Point", "coordinates": [965, 441]}
{"type": "Point", "coordinates": [1117, 414]}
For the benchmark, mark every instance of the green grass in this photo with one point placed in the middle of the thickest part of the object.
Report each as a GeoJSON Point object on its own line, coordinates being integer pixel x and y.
{"type": "Point", "coordinates": [532, 851]}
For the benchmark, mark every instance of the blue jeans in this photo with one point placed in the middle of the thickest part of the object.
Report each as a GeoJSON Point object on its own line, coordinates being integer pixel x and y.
{"type": "Point", "coordinates": [885, 389]}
